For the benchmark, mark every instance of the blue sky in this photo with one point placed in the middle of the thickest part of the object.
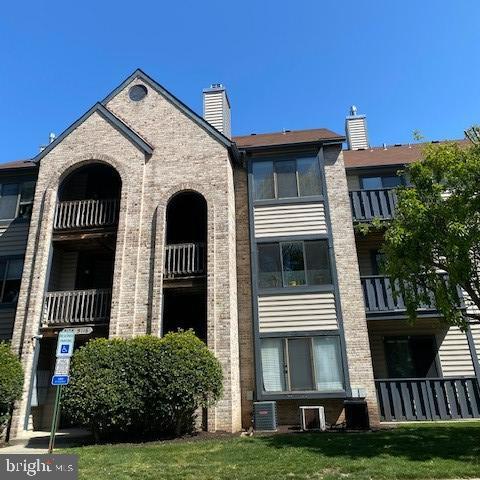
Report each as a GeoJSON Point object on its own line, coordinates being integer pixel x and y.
{"type": "Point", "coordinates": [299, 64]}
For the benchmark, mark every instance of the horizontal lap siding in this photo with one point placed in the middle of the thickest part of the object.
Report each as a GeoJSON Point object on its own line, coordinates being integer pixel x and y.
{"type": "Point", "coordinates": [453, 351]}
{"type": "Point", "coordinates": [13, 238]}
{"type": "Point", "coordinates": [7, 318]}
{"type": "Point", "coordinates": [476, 338]}
{"type": "Point", "coordinates": [301, 219]}
{"type": "Point", "coordinates": [301, 312]}
{"type": "Point", "coordinates": [455, 354]}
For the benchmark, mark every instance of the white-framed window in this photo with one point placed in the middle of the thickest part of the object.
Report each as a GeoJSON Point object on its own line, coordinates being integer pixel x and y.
{"type": "Point", "coordinates": [299, 364]}
{"type": "Point", "coordinates": [16, 199]}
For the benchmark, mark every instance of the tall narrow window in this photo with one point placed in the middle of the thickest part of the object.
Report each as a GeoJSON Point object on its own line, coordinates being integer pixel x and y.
{"type": "Point", "coordinates": [8, 201]}
{"type": "Point", "coordinates": [308, 177]}
{"type": "Point", "coordinates": [293, 264]}
{"type": "Point", "coordinates": [327, 359]}
{"type": "Point", "coordinates": [318, 263]}
{"type": "Point", "coordinates": [269, 266]}
{"type": "Point", "coordinates": [27, 191]}
{"type": "Point", "coordinates": [299, 364]}
{"type": "Point", "coordinates": [10, 277]}
{"type": "Point", "coordinates": [273, 364]}
{"type": "Point", "coordinates": [286, 178]}
{"type": "Point", "coordinates": [263, 180]}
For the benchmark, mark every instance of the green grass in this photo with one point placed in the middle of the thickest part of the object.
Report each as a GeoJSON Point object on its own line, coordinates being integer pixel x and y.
{"type": "Point", "coordinates": [409, 452]}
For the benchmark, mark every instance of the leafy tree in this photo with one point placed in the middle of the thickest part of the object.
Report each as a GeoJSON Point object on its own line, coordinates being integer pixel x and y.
{"type": "Point", "coordinates": [11, 382]}
{"type": "Point", "coordinates": [437, 228]}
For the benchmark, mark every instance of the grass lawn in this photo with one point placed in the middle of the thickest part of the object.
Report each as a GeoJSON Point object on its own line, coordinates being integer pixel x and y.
{"type": "Point", "coordinates": [446, 450]}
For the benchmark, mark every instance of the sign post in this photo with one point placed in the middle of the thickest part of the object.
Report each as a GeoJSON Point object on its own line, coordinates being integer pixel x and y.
{"type": "Point", "coordinates": [66, 340]}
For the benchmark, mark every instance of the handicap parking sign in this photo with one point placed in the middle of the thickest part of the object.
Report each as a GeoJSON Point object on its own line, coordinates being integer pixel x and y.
{"type": "Point", "coordinates": [66, 339]}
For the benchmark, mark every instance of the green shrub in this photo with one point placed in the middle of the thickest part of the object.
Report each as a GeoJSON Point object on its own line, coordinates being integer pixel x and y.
{"type": "Point", "coordinates": [11, 382]}
{"type": "Point", "coordinates": [146, 386]}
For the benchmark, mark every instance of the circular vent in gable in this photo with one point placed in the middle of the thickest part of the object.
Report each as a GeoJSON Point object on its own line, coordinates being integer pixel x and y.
{"type": "Point", "coordinates": [137, 93]}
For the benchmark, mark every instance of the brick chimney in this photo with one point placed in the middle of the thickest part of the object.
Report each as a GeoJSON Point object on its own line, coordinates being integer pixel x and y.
{"type": "Point", "coordinates": [356, 130]}
{"type": "Point", "coordinates": [216, 108]}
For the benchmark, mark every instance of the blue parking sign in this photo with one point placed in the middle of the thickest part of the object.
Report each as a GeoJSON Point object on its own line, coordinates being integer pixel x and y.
{"type": "Point", "coordinates": [64, 348]}
{"type": "Point", "coordinates": [60, 380]}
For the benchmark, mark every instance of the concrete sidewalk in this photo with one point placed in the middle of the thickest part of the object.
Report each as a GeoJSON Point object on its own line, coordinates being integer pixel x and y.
{"type": "Point", "coordinates": [37, 442]}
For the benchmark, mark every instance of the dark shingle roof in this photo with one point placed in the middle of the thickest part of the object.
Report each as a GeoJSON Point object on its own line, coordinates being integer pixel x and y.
{"type": "Point", "coordinates": [18, 164]}
{"type": "Point", "coordinates": [391, 155]}
{"type": "Point", "coordinates": [288, 137]}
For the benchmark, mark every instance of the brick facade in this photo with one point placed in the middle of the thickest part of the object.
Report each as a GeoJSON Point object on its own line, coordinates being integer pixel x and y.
{"type": "Point", "coordinates": [350, 290]}
{"type": "Point", "coordinates": [185, 157]}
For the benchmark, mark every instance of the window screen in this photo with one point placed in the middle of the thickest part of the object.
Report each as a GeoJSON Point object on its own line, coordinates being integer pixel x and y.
{"type": "Point", "coordinates": [273, 364]}
{"type": "Point", "coordinates": [269, 266]}
{"type": "Point", "coordinates": [263, 180]}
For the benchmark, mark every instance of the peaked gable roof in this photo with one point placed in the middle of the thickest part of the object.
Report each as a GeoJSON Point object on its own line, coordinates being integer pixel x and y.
{"type": "Point", "coordinates": [109, 117]}
{"type": "Point", "coordinates": [140, 74]}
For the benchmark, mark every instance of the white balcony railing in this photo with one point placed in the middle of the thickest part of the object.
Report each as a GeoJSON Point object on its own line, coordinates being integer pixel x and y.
{"type": "Point", "coordinates": [77, 307]}
{"type": "Point", "coordinates": [184, 260]}
{"type": "Point", "coordinates": [369, 204]}
{"type": "Point", "coordinates": [85, 214]}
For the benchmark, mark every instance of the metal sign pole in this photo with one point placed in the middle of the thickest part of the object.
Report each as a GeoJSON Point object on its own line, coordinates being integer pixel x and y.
{"type": "Point", "coordinates": [61, 376]}
{"type": "Point", "coordinates": [55, 419]}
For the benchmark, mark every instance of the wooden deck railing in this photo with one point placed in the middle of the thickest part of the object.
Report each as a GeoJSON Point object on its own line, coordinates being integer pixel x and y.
{"type": "Point", "coordinates": [369, 204]}
{"type": "Point", "coordinates": [85, 214]}
{"type": "Point", "coordinates": [428, 398]}
{"type": "Point", "coordinates": [77, 306]}
{"type": "Point", "coordinates": [184, 260]}
{"type": "Point", "coordinates": [378, 295]}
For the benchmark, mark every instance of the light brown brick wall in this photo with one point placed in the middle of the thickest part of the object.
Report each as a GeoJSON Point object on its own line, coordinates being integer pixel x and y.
{"type": "Point", "coordinates": [244, 289]}
{"type": "Point", "coordinates": [351, 295]}
{"type": "Point", "coordinates": [185, 157]}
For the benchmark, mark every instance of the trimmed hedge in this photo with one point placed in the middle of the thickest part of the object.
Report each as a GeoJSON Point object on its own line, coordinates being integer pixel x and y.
{"type": "Point", "coordinates": [143, 387]}
{"type": "Point", "coordinates": [11, 382]}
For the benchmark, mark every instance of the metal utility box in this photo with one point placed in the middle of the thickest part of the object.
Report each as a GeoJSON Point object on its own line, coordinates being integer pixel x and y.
{"type": "Point", "coordinates": [356, 414]}
{"type": "Point", "coordinates": [265, 416]}
{"type": "Point", "coordinates": [312, 417]}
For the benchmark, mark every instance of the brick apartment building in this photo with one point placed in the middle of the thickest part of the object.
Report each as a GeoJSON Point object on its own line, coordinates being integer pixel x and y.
{"type": "Point", "coordinates": [143, 217]}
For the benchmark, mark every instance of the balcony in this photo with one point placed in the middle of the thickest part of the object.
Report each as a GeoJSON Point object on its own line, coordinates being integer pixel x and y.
{"type": "Point", "coordinates": [184, 260]}
{"type": "Point", "coordinates": [77, 307]}
{"type": "Point", "coordinates": [369, 204]}
{"type": "Point", "coordinates": [85, 214]}
{"type": "Point", "coordinates": [380, 301]}
{"type": "Point", "coordinates": [407, 399]}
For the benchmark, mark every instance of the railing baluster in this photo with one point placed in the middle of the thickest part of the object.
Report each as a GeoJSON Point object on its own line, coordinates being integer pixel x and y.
{"type": "Point", "coordinates": [378, 295]}
{"type": "Point", "coordinates": [428, 398]}
{"type": "Point", "coordinates": [184, 259]}
{"type": "Point", "coordinates": [76, 306]}
{"type": "Point", "coordinates": [375, 203]}
{"type": "Point", "coordinates": [85, 213]}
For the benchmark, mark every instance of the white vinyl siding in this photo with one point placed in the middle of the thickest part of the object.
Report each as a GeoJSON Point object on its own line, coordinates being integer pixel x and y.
{"type": "Point", "coordinates": [455, 354]}
{"type": "Point", "coordinates": [300, 312]}
{"type": "Point", "coordinates": [476, 338]}
{"type": "Point", "coordinates": [284, 220]}
{"type": "Point", "coordinates": [453, 351]}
